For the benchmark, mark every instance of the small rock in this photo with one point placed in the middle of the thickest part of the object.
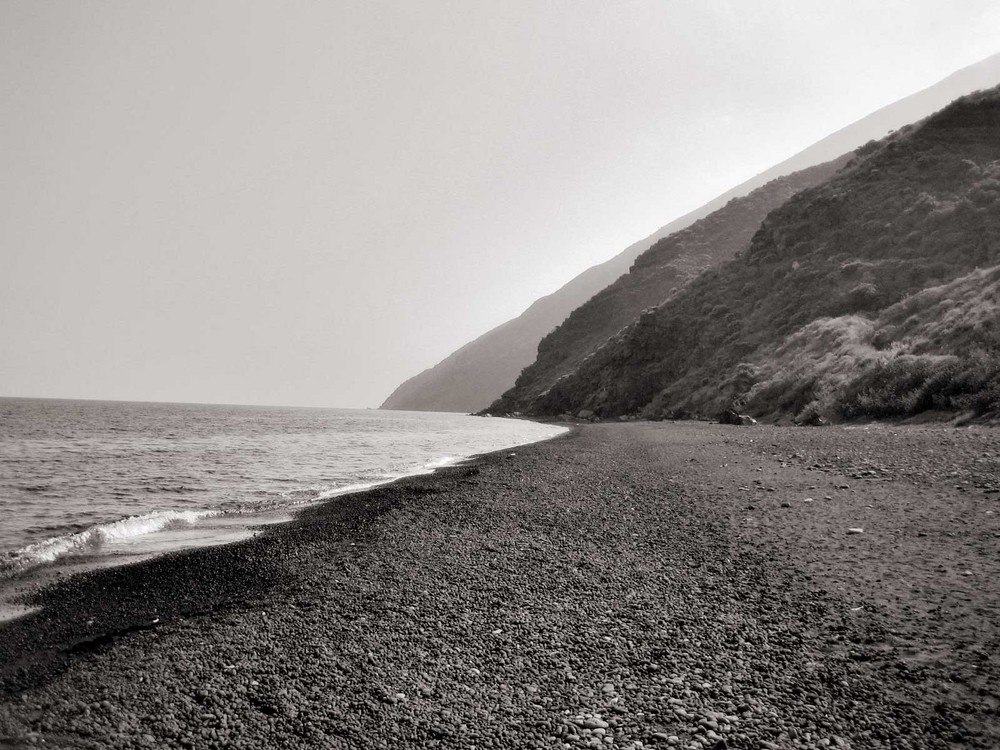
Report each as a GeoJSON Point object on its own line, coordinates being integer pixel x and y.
{"type": "Point", "coordinates": [856, 530]}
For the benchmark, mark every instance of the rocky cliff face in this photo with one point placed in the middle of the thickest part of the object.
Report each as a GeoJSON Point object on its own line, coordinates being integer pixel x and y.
{"type": "Point", "coordinates": [871, 294]}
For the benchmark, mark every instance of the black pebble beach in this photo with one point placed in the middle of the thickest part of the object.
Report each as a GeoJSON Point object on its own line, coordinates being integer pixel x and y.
{"type": "Point", "coordinates": [624, 586]}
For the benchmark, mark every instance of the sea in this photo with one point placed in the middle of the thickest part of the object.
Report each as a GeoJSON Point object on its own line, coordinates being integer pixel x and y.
{"type": "Point", "coordinates": [91, 483]}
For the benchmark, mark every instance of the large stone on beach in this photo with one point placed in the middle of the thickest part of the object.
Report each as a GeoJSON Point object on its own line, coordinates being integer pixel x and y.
{"type": "Point", "coordinates": [730, 416]}
{"type": "Point", "coordinates": [812, 419]}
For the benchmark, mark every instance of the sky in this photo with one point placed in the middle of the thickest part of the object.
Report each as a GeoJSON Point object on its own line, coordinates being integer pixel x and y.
{"type": "Point", "coordinates": [306, 203]}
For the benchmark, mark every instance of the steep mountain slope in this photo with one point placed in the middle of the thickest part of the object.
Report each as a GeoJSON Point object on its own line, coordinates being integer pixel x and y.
{"type": "Point", "coordinates": [658, 274]}
{"type": "Point", "coordinates": [981, 75]}
{"type": "Point", "coordinates": [479, 372]}
{"type": "Point", "coordinates": [872, 294]}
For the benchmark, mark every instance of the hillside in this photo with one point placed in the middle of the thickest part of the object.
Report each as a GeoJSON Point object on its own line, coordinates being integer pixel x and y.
{"type": "Point", "coordinates": [873, 294]}
{"type": "Point", "coordinates": [479, 372]}
{"type": "Point", "coordinates": [658, 274]}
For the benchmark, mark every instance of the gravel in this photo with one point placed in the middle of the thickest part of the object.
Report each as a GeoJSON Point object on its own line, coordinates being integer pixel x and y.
{"type": "Point", "coordinates": [613, 588]}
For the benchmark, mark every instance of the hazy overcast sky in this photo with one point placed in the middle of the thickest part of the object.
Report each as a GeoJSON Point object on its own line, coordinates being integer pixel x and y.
{"type": "Point", "coordinates": [308, 202]}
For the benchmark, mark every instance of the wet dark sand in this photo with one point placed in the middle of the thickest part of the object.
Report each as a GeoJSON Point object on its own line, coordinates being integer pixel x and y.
{"type": "Point", "coordinates": [633, 585]}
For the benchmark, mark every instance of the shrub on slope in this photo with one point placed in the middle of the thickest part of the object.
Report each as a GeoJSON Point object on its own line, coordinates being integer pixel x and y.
{"type": "Point", "coordinates": [945, 353]}
{"type": "Point", "coordinates": [936, 349]}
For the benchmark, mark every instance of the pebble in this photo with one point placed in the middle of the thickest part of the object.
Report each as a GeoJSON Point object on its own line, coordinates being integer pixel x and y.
{"type": "Point", "coordinates": [614, 577]}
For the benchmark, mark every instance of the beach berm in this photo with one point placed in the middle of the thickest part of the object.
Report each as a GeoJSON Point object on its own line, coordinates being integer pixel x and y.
{"type": "Point", "coordinates": [639, 585]}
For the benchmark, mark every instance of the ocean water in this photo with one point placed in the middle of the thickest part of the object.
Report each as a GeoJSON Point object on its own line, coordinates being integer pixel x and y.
{"type": "Point", "coordinates": [102, 481]}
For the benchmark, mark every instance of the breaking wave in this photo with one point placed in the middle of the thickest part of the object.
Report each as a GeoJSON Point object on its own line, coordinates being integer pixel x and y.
{"type": "Point", "coordinates": [427, 468]}
{"type": "Point", "coordinates": [69, 468]}
{"type": "Point", "coordinates": [93, 539]}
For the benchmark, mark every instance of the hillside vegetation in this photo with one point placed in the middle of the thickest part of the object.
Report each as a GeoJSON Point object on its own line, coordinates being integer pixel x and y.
{"type": "Point", "coordinates": [480, 371]}
{"type": "Point", "coordinates": [475, 375]}
{"type": "Point", "coordinates": [873, 294]}
{"type": "Point", "coordinates": [656, 276]}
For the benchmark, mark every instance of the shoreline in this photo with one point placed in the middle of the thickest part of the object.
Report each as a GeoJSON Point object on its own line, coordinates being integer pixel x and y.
{"type": "Point", "coordinates": [213, 528]}
{"type": "Point", "coordinates": [529, 599]}
{"type": "Point", "coordinates": [56, 599]}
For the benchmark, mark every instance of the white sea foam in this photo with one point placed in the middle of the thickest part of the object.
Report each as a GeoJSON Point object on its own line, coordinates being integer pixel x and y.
{"type": "Point", "coordinates": [96, 537]}
{"type": "Point", "coordinates": [427, 468]}
{"type": "Point", "coordinates": [440, 462]}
